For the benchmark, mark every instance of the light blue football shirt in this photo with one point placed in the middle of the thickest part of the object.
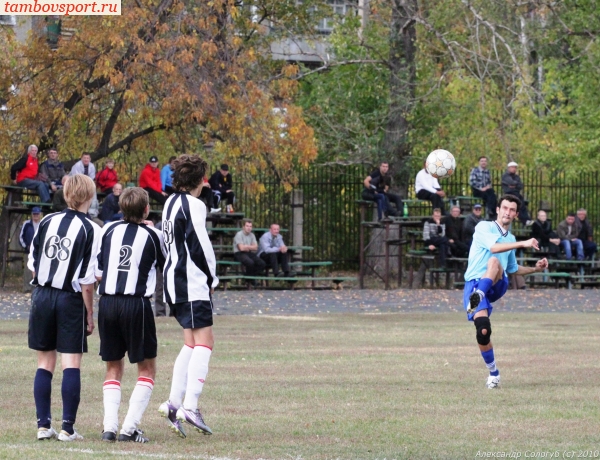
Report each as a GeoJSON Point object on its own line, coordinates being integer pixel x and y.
{"type": "Point", "coordinates": [486, 235]}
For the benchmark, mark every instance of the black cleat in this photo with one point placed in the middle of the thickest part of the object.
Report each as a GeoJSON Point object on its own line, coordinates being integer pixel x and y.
{"type": "Point", "coordinates": [474, 301]}
{"type": "Point", "coordinates": [109, 436]}
{"type": "Point", "coordinates": [136, 436]}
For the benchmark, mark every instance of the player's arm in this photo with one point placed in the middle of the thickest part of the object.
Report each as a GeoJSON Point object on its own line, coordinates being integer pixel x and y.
{"type": "Point", "coordinates": [540, 266]}
{"type": "Point", "coordinates": [503, 247]}
{"type": "Point", "coordinates": [87, 291]}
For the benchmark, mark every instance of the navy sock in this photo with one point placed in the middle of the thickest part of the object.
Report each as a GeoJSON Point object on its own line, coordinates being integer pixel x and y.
{"type": "Point", "coordinates": [490, 362]}
{"type": "Point", "coordinates": [484, 285]}
{"type": "Point", "coordinates": [71, 393]}
{"type": "Point", "coordinates": [42, 394]}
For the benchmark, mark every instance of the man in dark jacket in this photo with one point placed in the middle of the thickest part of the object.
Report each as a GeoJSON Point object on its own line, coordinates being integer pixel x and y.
{"type": "Point", "coordinates": [220, 183]}
{"type": "Point", "coordinates": [542, 231]}
{"type": "Point", "coordinates": [110, 206]}
{"type": "Point", "coordinates": [454, 233]}
{"type": "Point", "coordinates": [469, 224]}
{"type": "Point", "coordinates": [586, 234]}
{"type": "Point", "coordinates": [53, 169]}
{"type": "Point", "coordinates": [512, 185]}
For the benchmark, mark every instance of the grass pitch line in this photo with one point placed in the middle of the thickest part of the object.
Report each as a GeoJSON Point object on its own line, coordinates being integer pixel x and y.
{"type": "Point", "coordinates": [123, 453]}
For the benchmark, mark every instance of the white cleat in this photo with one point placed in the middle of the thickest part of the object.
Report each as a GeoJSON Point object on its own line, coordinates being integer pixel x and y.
{"type": "Point", "coordinates": [46, 433]}
{"type": "Point", "coordinates": [493, 382]}
{"type": "Point", "coordinates": [66, 437]}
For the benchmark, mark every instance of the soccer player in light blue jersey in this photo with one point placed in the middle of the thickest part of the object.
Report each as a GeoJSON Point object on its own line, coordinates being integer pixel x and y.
{"type": "Point", "coordinates": [491, 257]}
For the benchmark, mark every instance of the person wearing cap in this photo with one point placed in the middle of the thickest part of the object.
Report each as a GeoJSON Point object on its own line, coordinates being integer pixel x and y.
{"type": "Point", "coordinates": [220, 183]}
{"type": "Point", "coordinates": [512, 185]}
{"type": "Point", "coordinates": [480, 181]}
{"type": "Point", "coordinates": [25, 238]}
{"type": "Point", "coordinates": [150, 181]}
{"type": "Point", "coordinates": [470, 223]}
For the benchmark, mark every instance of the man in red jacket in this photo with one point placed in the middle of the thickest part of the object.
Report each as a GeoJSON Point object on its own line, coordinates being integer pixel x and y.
{"type": "Point", "coordinates": [107, 178]}
{"type": "Point", "coordinates": [150, 181]}
{"type": "Point", "coordinates": [24, 174]}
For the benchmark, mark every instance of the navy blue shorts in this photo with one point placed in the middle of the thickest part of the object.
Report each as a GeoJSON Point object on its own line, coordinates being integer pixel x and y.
{"type": "Point", "coordinates": [58, 321]}
{"type": "Point", "coordinates": [495, 293]}
{"type": "Point", "coordinates": [193, 315]}
{"type": "Point", "coordinates": [126, 324]}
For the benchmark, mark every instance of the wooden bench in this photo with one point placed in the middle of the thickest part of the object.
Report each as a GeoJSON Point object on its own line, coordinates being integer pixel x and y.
{"type": "Point", "coordinates": [556, 278]}
{"type": "Point", "coordinates": [584, 281]}
{"type": "Point", "coordinates": [291, 281]}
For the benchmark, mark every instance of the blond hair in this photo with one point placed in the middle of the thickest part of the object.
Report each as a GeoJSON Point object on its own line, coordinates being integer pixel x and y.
{"type": "Point", "coordinates": [78, 189]}
{"type": "Point", "coordinates": [133, 202]}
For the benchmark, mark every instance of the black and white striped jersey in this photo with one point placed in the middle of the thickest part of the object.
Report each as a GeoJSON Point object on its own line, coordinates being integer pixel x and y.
{"type": "Point", "coordinates": [128, 258]}
{"type": "Point", "coordinates": [64, 250]}
{"type": "Point", "coordinates": [190, 267]}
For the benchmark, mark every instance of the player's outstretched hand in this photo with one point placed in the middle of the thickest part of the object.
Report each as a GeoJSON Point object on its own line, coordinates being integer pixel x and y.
{"type": "Point", "coordinates": [541, 264]}
{"type": "Point", "coordinates": [532, 243]}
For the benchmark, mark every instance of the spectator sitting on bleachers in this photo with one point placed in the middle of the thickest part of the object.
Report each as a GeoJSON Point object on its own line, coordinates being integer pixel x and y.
{"type": "Point", "coordinates": [470, 223]}
{"type": "Point", "coordinates": [166, 178]}
{"type": "Point", "coordinates": [25, 238]}
{"type": "Point", "coordinates": [208, 197]}
{"type": "Point", "coordinates": [244, 251]}
{"type": "Point", "coordinates": [24, 173]}
{"type": "Point", "coordinates": [480, 181]}
{"type": "Point", "coordinates": [53, 169]}
{"type": "Point", "coordinates": [84, 166]}
{"type": "Point", "coordinates": [428, 188]}
{"type": "Point", "coordinates": [434, 236]}
{"type": "Point", "coordinates": [110, 206]}
{"type": "Point", "coordinates": [586, 234]}
{"type": "Point", "coordinates": [541, 230]}
{"type": "Point", "coordinates": [568, 231]}
{"type": "Point", "coordinates": [512, 185]}
{"type": "Point", "coordinates": [58, 200]}
{"type": "Point", "coordinates": [221, 183]}
{"type": "Point", "coordinates": [382, 181]}
{"type": "Point", "coordinates": [150, 181]}
{"type": "Point", "coordinates": [107, 178]}
{"type": "Point", "coordinates": [274, 252]}
{"type": "Point", "coordinates": [454, 231]}
{"type": "Point", "coordinates": [371, 192]}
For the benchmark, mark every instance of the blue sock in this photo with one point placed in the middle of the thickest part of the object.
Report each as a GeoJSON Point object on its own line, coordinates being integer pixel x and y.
{"type": "Point", "coordinates": [42, 394]}
{"type": "Point", "coordinates": [490, 362]}
{"type": "Point", "coordinates": [484, 285]}
{"type": "Point", "coordinates": [71, 393]}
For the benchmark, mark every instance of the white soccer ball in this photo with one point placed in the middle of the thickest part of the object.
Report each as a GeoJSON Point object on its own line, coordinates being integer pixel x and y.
{"type": "Point", "coordinates": [440, 163]}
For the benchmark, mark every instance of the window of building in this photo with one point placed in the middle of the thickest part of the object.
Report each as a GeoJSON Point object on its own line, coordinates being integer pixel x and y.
{"type": "Point", "coordinates": [340, 8]}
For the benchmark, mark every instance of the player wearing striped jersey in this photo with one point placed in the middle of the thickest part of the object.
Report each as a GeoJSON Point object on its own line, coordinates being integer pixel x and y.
{"type": "Point", "coordinates": [189, 280]}
{"type": "Point", "coordinates": [130, 253]}
{"type": "Point", "coordinates": [62, 258]}
{"type": "Point", "coordinates": [491, 256]}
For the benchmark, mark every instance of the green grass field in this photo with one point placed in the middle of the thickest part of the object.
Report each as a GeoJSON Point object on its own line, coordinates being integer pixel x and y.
{"type": "Point", "coordinates": [342, 386]}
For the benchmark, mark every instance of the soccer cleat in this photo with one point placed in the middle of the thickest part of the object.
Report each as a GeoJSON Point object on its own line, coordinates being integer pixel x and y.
{"type": "Point", "coordinates": [169, 411]}
{"type": "Point", "coordinates": [493, 382]}
{"type": "Point", "coordinates": [66, 437]}
{"type": "Point", "coordinates": [215, 210]}
{"type": "Point", "coordinates": [136, 436]}
{"type": "Point", "coordinates": [46, 433]}
{"type": "Point", "coordinates": [194, 418]}
{"type": "Point", "coordinates": [109, 436]}
{"type": "Point", "coordinates": [474, 301]}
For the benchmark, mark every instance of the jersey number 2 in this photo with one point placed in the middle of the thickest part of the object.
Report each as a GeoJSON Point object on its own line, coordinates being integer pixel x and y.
{"type": "Point", "coordinates": [125, 259]}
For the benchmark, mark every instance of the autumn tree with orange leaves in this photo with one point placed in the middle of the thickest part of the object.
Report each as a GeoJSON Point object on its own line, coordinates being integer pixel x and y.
{"type": "Point", "coordinates": [166, 77]}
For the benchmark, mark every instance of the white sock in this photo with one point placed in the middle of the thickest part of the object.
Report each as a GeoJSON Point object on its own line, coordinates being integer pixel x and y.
{"type": "Point", "coordinates": [197, 370]}
{"type": "Point", "coordinates": [112, 400]}
{"type": "Point", "coordinates": [180, 370]}
{"type": "Point", "coordinates": [137, 404]}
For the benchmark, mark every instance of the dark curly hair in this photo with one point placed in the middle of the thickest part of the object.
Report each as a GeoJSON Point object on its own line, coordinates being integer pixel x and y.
{"type": "Point", "coordinates": [188, 172]}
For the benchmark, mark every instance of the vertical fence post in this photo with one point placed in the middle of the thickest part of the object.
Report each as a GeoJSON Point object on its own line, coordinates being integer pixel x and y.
{"type": "Point", "coordinates": [297, 220]}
